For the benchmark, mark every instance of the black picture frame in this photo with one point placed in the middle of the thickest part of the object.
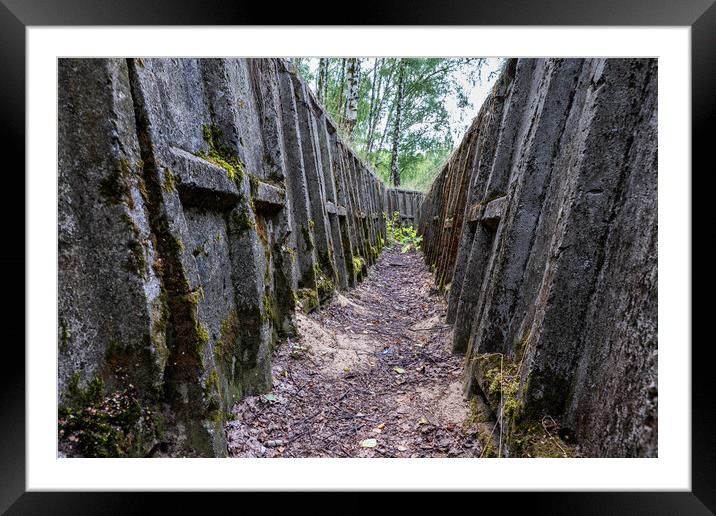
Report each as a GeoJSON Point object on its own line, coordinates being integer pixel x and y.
{"type": "Point", "coordinates": [16, 15]}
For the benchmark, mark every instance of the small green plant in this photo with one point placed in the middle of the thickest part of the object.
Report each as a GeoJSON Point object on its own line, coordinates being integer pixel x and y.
{"type": "Point", "coordinates": [405, 236]}
{"type": "Point", "coordinates": [358, 264]}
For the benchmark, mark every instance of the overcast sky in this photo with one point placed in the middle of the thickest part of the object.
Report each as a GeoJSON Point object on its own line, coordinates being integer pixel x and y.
{"type": "Point", "coordinates": [460, 119]}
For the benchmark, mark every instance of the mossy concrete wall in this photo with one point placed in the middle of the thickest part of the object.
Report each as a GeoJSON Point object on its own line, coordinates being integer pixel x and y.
{"type": "Point", "coordinates": [542, 231]}
{"type": "Point", "coordinates": [201, 201]}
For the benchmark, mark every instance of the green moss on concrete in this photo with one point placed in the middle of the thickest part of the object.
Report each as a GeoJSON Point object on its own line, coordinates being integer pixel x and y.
{"type": "Point", "coordinates": [520, 347]}
{"type": "Point", "coordinates": [267, 312]}
{"type": "Point", "coordinates": [240, 220]}
{"type": "Point", "coordinates": [222, 156]}
{"type": "Point", "coordinates": [307, 238]}
{"type": "Point", "coordinates": [142, 187]}
{"type": "Point", "coordinates": [283, 294]}
{"type": "Point", "coordinates": [524, 432]}
{"type": "Point", "coordinates": [159, 330]}
{"type": "Point", "coordinates": [214, 397]}
{"type": "Point", "coordinates": [226, 346]}
{"type": "Point", "coordinates": [202, 334]}
{"type": "Point", "coordinates": [93, 423]}
{"type": "Point", "coordinates": [200, 249]}
{"type": "Point", "coordinates": [64, 336]}
{"type": "Point", "coordinates": [380, 242]}
{"type": "Point", "coordinates": [192, 299]}
{"type": "Point", "coordinates": [136, 262]}
{"type": "Point", "coordinates": [115, 187]}
{"type": "Point", "coordinates": [169, 184]}
{"type": "Point", "coordinates": [539, 439]}
{"type": "Point", "coordinates": [253, 185]}
{"type": "Point", "coordinates": [501, 383]}
{"type": "Point", "coordinates": [307, 298]}
{"type": "Point", "coordinates": [324, 285]}
{"type": "Point", "coordinates": [485, 427]}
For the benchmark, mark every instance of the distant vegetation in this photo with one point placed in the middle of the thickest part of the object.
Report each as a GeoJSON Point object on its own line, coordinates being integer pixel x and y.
{"type": "Point", "coordinates": [393, 111]}
{"type": "Point", "coordinates": [403, 235]}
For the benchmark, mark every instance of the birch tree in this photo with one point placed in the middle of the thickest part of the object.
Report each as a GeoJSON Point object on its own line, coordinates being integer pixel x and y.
{"type": "Point", "coordinates": [394, 166]}
{"type": "Point", "coordinates": [351, 112]}
{"type": "Point", "coordinates": [322, 79]}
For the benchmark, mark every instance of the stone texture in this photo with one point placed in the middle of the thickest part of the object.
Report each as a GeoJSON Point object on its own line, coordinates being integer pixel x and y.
{"type": "Point", "coordinates": [406, 203]}
{"type": "Point", "coordinates": [554, 267]}
{"type": "Point", "coordinates": [110, 304]}
{"type": "Point", "coordinates": [200, 200]}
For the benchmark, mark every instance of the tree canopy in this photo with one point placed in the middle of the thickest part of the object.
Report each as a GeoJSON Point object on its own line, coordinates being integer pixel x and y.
{"type": "Point", "coordinates": [394, 110]}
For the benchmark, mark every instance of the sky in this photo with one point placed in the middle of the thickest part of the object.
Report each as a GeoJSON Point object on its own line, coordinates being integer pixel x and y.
{"type": "Point", "coordinates": [460, 118]}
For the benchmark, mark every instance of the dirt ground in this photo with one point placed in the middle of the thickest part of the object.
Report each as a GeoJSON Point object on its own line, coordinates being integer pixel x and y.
{"type": "Point", "coordinates": [371, 376]}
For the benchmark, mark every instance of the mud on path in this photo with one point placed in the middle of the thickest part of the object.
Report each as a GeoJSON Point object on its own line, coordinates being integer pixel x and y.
{"type": "Point", "coordinates": [372, 375]}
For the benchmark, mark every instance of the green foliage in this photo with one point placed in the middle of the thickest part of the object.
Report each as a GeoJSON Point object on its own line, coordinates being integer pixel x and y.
{"type": "Point", "coordinates": [425, 138]}
{"type": "Point", "coordinates": [405, 236]}
{"type": "Point", "coordinates": [417, 171]}
{"type": "Point", "coordinates": [358, 265]}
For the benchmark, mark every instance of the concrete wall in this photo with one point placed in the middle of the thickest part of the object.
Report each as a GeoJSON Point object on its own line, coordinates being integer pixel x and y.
{"type": "Point", "coordinates": [542, 229]}
{"type": "Point", "coordinates": [200, 202]}
{"type": "Point", "coordinates": [406, 203]}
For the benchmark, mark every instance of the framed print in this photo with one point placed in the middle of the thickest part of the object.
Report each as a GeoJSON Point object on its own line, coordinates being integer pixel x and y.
{"type": "Point", "coordinates": [426, 249]}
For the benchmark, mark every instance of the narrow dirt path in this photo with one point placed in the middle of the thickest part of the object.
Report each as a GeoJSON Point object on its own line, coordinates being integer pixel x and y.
{"type": "Point", "coordinates": [371, 376]}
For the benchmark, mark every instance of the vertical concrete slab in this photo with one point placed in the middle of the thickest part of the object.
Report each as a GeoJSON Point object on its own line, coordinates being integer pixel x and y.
{"type": "Point", "coordinates": [318, 224]}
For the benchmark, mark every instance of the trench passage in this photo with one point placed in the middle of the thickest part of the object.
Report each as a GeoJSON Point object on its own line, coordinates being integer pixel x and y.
{"type": "Point", "coordinates": [375, 363]}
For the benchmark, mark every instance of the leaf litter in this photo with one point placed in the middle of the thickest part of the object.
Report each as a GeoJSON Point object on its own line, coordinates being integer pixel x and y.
{"type": "Point", "coordinates": [375, 377]}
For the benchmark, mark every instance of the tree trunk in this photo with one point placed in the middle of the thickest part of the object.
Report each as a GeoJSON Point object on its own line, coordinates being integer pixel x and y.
{"type": "Point", "coordinates": [339, 106]}
{"type": "Point", "coordinates": [322, 76]}
{"type": "Point", "coordinates": [386, 95]}
{"type": "Point", "coordinates": [394, 169]}
{"type": "Point", "coordinates": [351, 112]}
{"type": "Point", "coordinates": [372, 107]}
